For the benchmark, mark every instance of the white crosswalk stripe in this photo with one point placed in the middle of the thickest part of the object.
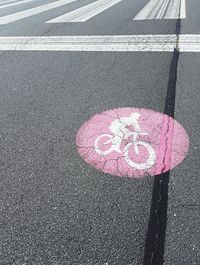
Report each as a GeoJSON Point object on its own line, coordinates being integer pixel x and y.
{"type": "Point", "coordinates": [15, 3]}
{"type": "Point", "coordinates": [33, 11]}
{"type": "Point", "coordinates": [86, 12]}
{"type": "Point", "coordinates": [162, 9]}
{"type": "Point", "coordinates": [7, 2]}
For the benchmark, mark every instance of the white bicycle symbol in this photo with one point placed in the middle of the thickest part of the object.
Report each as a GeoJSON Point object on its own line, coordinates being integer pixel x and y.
{"type": "Point", "coordinates": [120, 131]}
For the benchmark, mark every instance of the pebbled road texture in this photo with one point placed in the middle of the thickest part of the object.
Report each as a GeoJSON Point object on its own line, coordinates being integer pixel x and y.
{"type": "Point", "coordinates": [56, 209]}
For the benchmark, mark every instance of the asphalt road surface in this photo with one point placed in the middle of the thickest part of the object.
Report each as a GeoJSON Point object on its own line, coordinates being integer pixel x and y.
{"type": "Point", "coordinates": [56, 209]}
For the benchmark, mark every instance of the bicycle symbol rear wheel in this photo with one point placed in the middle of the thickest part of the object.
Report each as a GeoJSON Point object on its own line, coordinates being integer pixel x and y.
{"type": "Point", "coordinates": [141, 166]}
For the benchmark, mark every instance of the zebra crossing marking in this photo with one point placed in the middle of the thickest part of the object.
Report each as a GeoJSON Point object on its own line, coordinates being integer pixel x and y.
{"type": "Point", "coordinates": [162, 9]}
{"type": "Point", "coordinates": [33, 11]}
{"type": "Point", "coordinates": [155, 9]}
{"type": "Point", "coordinates": [15, 3]}
{"type": "Point", "coordinates": [84, 13]}
{"type": "Point", "coordinates": [7, 2]}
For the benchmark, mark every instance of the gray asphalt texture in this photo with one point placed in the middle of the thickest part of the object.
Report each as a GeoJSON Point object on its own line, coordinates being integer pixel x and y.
{"type": "Point", "coordinates": [55, 208]}
{"type": "Point", "coordinates": [183, 229]}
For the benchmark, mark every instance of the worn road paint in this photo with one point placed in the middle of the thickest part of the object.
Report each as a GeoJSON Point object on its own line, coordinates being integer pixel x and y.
{"type": "Point", "coordinates": [84, 13]}
{"type": "Point", "coordinates": [8, 4]}
{"type": "Point", "coordinates": [132, 142]}
{"type": "Point", "coordinates": [106, 43]}
{"type": "Point", "coordinates": [7, 1]}
{"type": "Point", "coordinates": [183, 9]}
{"type": "Point", "coordinates": [33, 11]}
{"type": "Point", "coordinates": [162, 9]}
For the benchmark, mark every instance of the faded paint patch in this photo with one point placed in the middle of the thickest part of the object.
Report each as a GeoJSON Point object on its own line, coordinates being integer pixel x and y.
{"type": "Point", "coordinates": [132, 142]}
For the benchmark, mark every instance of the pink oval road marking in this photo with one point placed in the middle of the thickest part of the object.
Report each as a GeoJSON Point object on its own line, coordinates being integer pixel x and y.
{"type": "Point", "coordinates": [132, 142]}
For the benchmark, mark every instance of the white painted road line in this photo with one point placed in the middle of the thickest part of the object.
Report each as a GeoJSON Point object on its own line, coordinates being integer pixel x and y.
{"type": "Point", "coordinates": [33, 11]}
{"type": "Point", "coordinates": [7, 1]}
{"type": "Point", "coordinates": [162, 9]}
{"type": "Point", "coordinates": [183, 9]}
{"type": "Point", "coordinates": [119, 43]}
{"type": "Point", "coordinates": [86, 12]}
{"type": "Point", "coordinates": [15, 3]}
{"type": "Point", "coordinates": [90, 43]}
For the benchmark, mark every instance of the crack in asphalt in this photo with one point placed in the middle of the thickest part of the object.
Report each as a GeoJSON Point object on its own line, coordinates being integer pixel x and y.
{"type": "Point", "coordinates": [166, 147]}
{"type": "Point", "coordinates": [155, 238]}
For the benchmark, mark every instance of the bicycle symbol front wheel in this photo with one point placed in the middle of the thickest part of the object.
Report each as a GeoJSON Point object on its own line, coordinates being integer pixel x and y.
{"type": "Point", "coordinates": [141, 166]}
